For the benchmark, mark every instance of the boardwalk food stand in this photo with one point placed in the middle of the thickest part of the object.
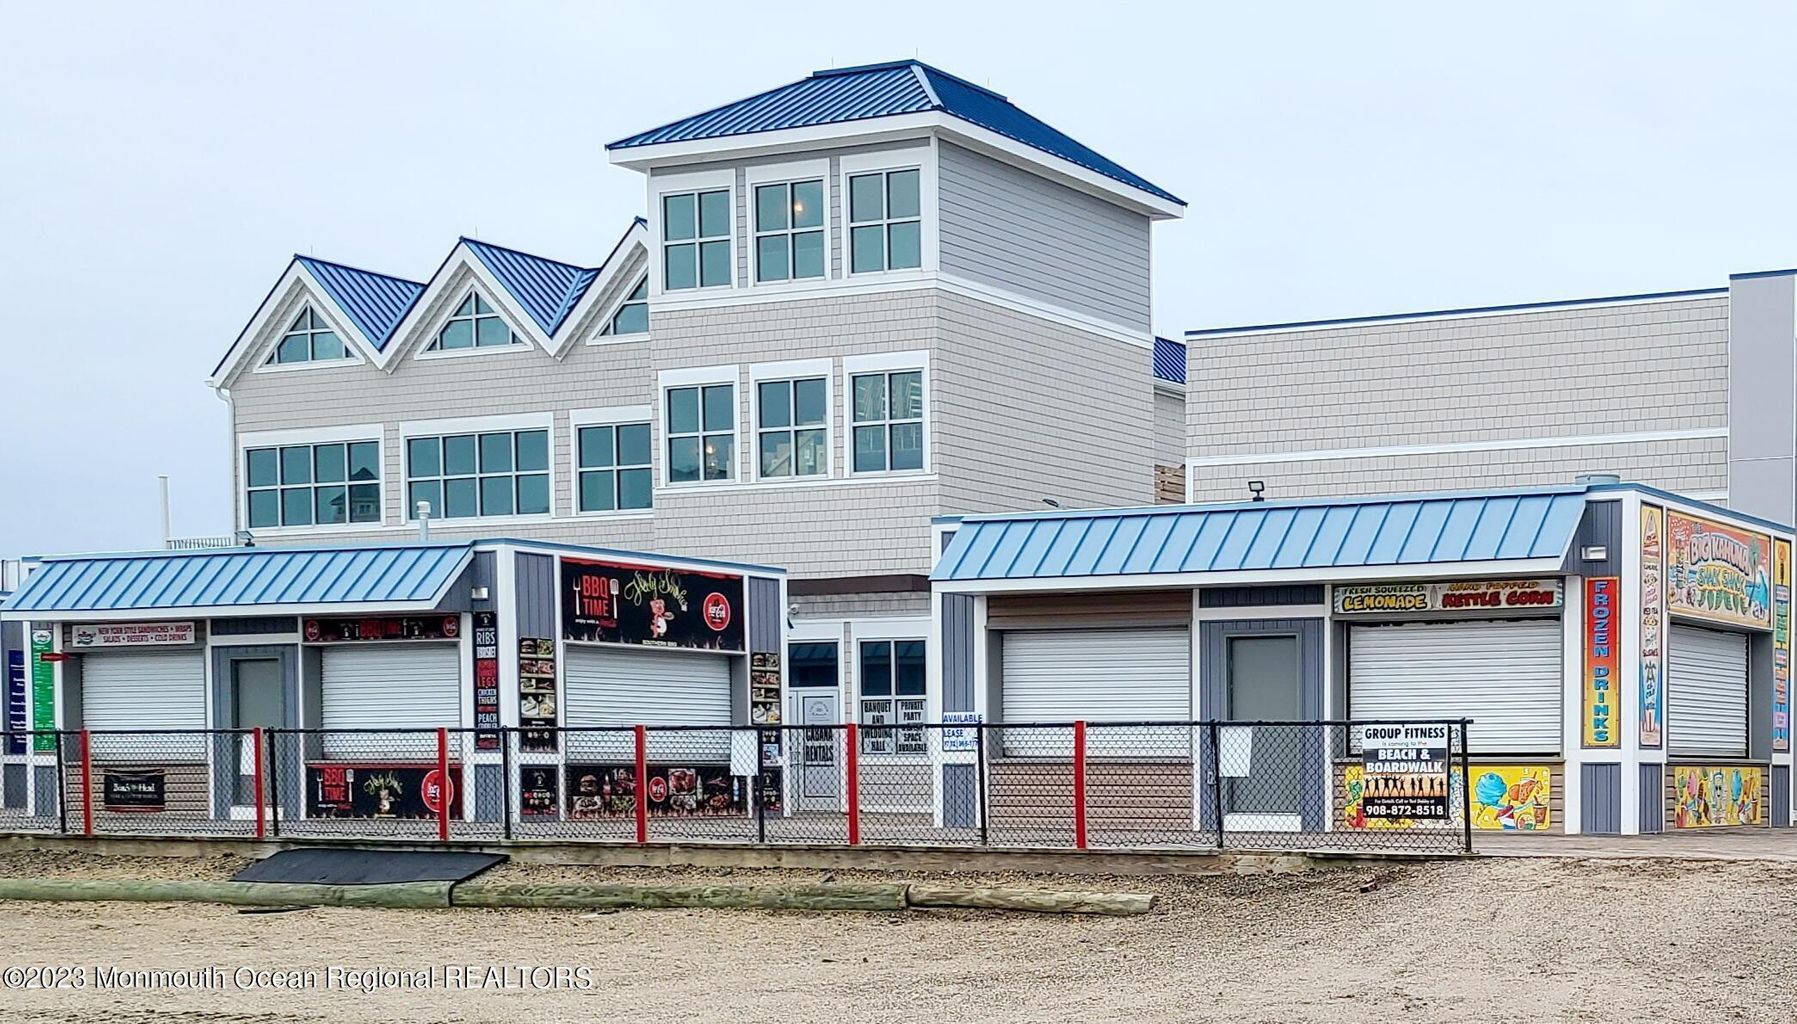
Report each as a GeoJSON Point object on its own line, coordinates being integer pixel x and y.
{"type": "Point", "coordinates": [1622, 653]}
{"type": "Point", "coordinates": [350, 658]}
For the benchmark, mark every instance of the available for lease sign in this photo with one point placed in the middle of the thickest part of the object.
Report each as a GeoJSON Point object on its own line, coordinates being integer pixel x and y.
{"type": "Point", "coordinates": [130, 634]}
{"type": "Point", "coordinates": [1449, 596]}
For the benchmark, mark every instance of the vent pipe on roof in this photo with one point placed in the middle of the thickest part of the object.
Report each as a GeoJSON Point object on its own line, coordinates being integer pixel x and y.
{"type": "Point", "coordinates": [424, 522]}
{"type": "Point", "coordinates": [1594, 479]}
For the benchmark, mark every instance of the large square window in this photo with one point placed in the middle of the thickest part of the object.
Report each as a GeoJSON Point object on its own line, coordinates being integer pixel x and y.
{"type": "Point", "coordinates": [701, 433]}
{"type": "Point", "coordinates": [885, 222]}
{"type": "Point", "coordinates": [792, 435]}
{"type": "Point", "coordinates": [613, 468]}
{"type": "Point", "coordinates": [695, 230]}
{"type": "Point", "coordinates": [887, 413]}
{"type": "Point", "coordinates": [496, 473]}
{"type": "Point", "coordinates": [893, 701]}
{"type": "Point", "coordinates": [789, 231]}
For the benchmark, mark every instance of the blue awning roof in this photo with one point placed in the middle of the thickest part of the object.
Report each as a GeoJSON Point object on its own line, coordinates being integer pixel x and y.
{"type": "Point", "coordinates": [1421, 530]}
{"type": "Point", "coordinates": [402, 575]}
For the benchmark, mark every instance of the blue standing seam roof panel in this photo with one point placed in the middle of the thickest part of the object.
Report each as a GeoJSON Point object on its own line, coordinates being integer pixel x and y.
{"type": "Point", "coordinates": [842, 95]}
{"type": "Point", "coordinates": [1425, 530]}
{"type": "Point", "coordinates": [242, 577]}
{"type": "Point", "coordinates": [547, 289]}
{"type": "Point", "coordinates": [1170, 360]}
{"type": "Point", "coordinates": [376, 302]}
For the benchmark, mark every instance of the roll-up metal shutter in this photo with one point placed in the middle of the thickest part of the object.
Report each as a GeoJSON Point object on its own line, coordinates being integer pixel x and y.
{"type": "Point", "coordinates": [144, 690]}
{"type": "Point", "coordinates": [1505, 675]}
{"type": "Point", "coordinates": [1706, 692]}
{"type": "Point", "coordinates": [610, 686]}
{"type": "Point", "coordinates": [1098, 675]}
{"type": "Point", "coordinates": [398, 686]}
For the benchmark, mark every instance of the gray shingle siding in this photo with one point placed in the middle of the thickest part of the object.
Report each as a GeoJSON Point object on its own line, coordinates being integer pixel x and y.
{"type": "Point", "coordinates": [1554, 373]}
{"type": "Point", "coordinates": [1169, 429]}
{"type": "Point", "coordinates": [1007, 227]}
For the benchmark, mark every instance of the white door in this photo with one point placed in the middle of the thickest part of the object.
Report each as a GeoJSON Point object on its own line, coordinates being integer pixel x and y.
{"type": "Point", "coordinates": [820, 774]}
{"type": "Point", "coordinates": [399, 686]}
{"type": "Point", "coordinates": [1097, 675]}
{"type": "Point", "coordinates": [1502, 674]}
{"type": "Point", "coordinates": [144, 690]}
{"type": "Point", "coordinates": [613, 686]}
{"type": "Point", "coordinates": [1706, 692]}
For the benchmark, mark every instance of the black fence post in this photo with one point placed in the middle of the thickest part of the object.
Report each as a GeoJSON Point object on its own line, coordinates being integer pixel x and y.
{"type": "Point", "coordinates": [1466, 784]}
{"type": "Point", "coordinates": [1216, 780]}
{"type": "Point", "coordinates": [505, 782]}
{"type": "Point", "coordinates": [62, 786]}
{"type": "Point", "coordinates": [979, 779]}
{"type": "Point", "coordinates": [274, 782]}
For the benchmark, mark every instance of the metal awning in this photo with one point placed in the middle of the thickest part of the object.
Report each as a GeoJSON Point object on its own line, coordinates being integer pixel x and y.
{"type": "Point", "coordinates": [345, 579]}
{"type": "Point", "coordinates": [1499, 531]}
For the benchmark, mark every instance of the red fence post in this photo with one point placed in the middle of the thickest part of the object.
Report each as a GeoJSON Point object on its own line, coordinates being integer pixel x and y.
{"type": "Point", "coordinates": [642, 785]}
{"type": "Point", "coordinates": [853, 782]}
{"type": "Point", "coordinates": [1079, 784]}
{"type": "Point", "coordinates": [87, 785]}
{"type": "Point", "coordinates": [443, 787]}
{"type": "Point", "coordinates": [256, 735]}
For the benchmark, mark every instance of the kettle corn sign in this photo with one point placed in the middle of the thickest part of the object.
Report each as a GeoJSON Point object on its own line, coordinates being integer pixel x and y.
{"type": "Point", "coordinates": [1718, 572]}
{"type": "Point", "coordinates": [1451, 596]}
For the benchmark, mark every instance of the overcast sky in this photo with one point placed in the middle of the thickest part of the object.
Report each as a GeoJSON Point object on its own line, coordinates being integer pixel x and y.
{"type": "Point", "coordinates": [159, 163]}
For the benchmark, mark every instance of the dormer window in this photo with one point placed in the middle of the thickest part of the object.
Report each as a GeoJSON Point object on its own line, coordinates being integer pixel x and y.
{"type": "Point", "coordinates": [885, 222]}
{"type": "Point", "coordinates": [632, 316]}
{"type": "Point", "coordinates": [695, 231]}
{"type": "Point", "coordinates": [308, 340]}
{"type": "Point", "coordinates": [475, 324]}
{"type": "Point", "coordinates": [789, 231]}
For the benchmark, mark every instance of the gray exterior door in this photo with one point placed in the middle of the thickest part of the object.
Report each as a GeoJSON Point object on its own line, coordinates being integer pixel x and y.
{"type": "Point", "coordinates": [1264, 685]}
{"type": "Point", "coordinates": [820, 784]}
{"type": "Point", "coordinates": [1268, 670]}
{"type": "Point", "coordinates": [254, 685]}
{"type": "Point", "coordinates": [258, 699]}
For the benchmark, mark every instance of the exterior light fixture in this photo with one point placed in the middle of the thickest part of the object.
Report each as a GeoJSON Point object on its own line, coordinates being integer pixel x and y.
{"type": "Point", "coordinates": [1258, 488]}
{"type": "Point", "coordinates": [1594, 553]}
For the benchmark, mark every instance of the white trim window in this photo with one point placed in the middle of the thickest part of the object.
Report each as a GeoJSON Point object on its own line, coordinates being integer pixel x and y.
{"type": "Point", "coordinates": [612, 463]}
{"type": "Point", "coordinates": [632, 315]}
{"type": "Point", "coordinates": [885, 221]}
{"type": "Point", "coordinates": [699, 423]}
{"type": "Point", "coordinates": [789, 231]}
{"type": "Point", "coordinates": [308, 340]}
{"type": "Point", "coordinates": [479, 475]}
{"type": "Point", "coordinates": [894, 696]}
{"type": "Point", "coordinates": [332, 484]}
{"type": "Point", "coordinates": [696, 234]}
{"type": "Point", "coordinates": [886, 410]}
{"type": "Point", "coordinates": [475, 324]}
{"type": "Point", "coordinates": [792, 427]}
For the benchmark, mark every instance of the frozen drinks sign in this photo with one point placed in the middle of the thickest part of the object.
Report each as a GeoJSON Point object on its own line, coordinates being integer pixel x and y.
{"type": "Point", "coordinates": [114, 635]}
{"type": "Point", "coordinates": [1453, 596]}
{"type": "Point", "coordinates": [1718, 572]}
{"type": "Point", "coordinates": [1603, 701]}
{"type": "Point", "coordinates": [618, 603]}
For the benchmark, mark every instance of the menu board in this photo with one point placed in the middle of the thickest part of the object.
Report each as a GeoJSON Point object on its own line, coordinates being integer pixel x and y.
{"type": "Point", "coordinates": [764, 709]}
{"type": "Point", "coordinates": [537, 791]}
{"type": "Point", "coordinates": [672, 791]}
{"type": "Point", "coordinates": [536, 693]}
{"type": "Point", "coordinates": [486, 681]}
{"type": "Point", "coordinates": [619, 603]}
{"type": "Point", "coordinates": [18, 713]}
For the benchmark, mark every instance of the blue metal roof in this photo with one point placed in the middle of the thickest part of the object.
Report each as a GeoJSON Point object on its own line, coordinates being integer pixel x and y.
{"type": "Point", "coordinates": [1170, 360]}
{"type": "Point", "coordinates": [242, 578]}
{"type": "Point", "coordinates": [886, 90]}
{"type": "Point", "coordinates": [547, 289]}
{"type": "Point", "coordinates": [1425, 529]}
{"type": "Point", "coordinates": [376, 302]}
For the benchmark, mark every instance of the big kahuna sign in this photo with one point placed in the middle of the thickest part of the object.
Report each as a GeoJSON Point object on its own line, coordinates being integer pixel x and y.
{"type": "Point", "coordinates": [1718, 572]}
{"type": "Point", "coordinates": [620, 603]}
{"type": "Point", "coordinates": [1448, 596]}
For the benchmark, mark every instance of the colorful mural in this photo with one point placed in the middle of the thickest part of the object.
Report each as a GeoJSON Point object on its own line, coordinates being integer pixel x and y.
{"type": "Point", "coordinates": [1712, 796]}
{"type": "Point", "coordinates": [1718, 572]}
{"type": "Point", "coordinates": [1505, 798]}
{"type": "Point", "coordinates": [1653, 621]}
{"type": "Point", "coordinates": [1781, 645]}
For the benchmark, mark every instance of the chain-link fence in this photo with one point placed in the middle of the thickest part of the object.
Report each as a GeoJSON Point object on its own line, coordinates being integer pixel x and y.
{"type": "Point", "coordinates": [1080, 785]}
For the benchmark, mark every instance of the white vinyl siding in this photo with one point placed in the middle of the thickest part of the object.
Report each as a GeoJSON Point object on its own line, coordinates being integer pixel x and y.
{"type": "Point", "coordinates": [1706, 692]}
{"type": "Point", "coordinates": [141, 690]}
{"type": "Point", "coordinates": [402, 686]}
{"type": "Point", "coordinates": [607, 686]}
{"type": "Point", "coordinates": [1504, 675]}
{"type": "Point", "coordinates": [1098, 675]}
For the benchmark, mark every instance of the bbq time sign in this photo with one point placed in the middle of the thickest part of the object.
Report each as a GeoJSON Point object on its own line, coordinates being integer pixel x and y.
{"type": "Point", "coordinates": [619, 603]}
{"type": "Point", "coordinates": [1405, 771]}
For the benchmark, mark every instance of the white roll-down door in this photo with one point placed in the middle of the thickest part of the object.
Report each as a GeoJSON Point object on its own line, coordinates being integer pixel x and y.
{"type": "Point", "coordinates": [144, 690]}
{"type": "Point", "coordinates": [1706, 691]}
{"type": "Point", "coordinates": [1505, 675]}
{"type": "Point", "coordinates": [615, 686]}
{"type": "Point", "coordinates": [398, 686]}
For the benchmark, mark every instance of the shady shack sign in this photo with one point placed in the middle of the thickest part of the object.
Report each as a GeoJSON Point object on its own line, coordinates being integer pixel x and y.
{"type": "Point", "coordinates": [1450, 596]}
